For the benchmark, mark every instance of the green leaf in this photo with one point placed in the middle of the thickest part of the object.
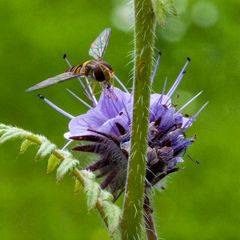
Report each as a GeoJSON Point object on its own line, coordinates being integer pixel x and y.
{"type": "Point", "coordinates": [53, 162]}
{"type": "Point", "coordinates": [67, 165]}
{"type": "Point", "coordinates": [91, 188]}
{"type": "Point", "coordinates": [11, 134]}
{"type": "Point", "coordinates": [46, 148]}
{"type": "Point", "coordinates": [25, 145]}
{"type": "Point", "coordinates": [112, 211]}
{"type": "Point", "coordinates": [77, 186]}
{"type": "Point", "coordinates": [113, 214]}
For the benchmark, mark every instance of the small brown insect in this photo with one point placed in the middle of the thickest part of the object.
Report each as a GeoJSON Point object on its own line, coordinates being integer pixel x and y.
{"type": "Point", "coordinates": [96, 69]}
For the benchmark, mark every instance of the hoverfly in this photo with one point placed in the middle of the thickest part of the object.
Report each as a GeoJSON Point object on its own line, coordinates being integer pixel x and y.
{"type": "Point", "coordinates": [96, 69]}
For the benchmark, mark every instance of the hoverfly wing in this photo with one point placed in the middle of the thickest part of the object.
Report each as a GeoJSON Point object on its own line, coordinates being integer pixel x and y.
{"type": "Point", "coordinates": [53, 80]}
{"type": "Point", "coordinates": [99, 46]}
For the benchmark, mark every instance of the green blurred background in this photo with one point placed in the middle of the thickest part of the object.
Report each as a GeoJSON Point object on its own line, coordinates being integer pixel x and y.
{"type": "Point", "coordinates": [201, 202]}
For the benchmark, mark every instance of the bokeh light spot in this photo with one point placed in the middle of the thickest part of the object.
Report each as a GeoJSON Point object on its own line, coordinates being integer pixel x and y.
{"type": "Point", "coordinates": [174, 29]}
{"type": "Point", "coordinates": [204, 14]}
{"type": "Point", "coordinates": [122, 17]}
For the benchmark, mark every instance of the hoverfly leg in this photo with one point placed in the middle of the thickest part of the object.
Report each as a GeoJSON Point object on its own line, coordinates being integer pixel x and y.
{"type": "Point", "coordinates": [94, 86]}
{"type": "Point", "coordinates": [91, 91]}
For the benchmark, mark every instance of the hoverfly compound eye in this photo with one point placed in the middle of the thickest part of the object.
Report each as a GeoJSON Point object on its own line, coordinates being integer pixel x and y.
{"type": "Point", "coordinates": [98, 74]}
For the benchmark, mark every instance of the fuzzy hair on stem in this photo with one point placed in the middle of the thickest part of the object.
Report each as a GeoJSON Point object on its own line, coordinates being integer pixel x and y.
{"type": "Point", "coordinates": [132, 219]}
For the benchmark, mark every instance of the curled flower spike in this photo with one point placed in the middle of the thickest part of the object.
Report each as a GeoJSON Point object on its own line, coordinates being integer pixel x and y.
{"type": "Point", "coordinates": [106, 130]}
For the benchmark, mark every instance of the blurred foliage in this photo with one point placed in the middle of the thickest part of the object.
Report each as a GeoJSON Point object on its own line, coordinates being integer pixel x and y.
{"type": "Point", "coordinates": [202, 201]}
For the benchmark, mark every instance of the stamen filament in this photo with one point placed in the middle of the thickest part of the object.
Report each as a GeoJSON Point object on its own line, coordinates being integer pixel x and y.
{"type": "Point", "coordinates": [156, 68]}
{"type": "Point", "coordinates": [187, 103]}
{"type": "Point", "coordinates": [163, 90]}
{"type": "Point", "coordinates": [179, 78]}
{"type": "Point", "coordinates": [55, 107]}
{"type": "Point", "coordinates": [79, 79]}
{"type": "Point", "coordinates": [120, 82]}
{"type": "Point", "coordinates": [78, 98]}
{"type": "Point", "coordinates": [66, 145]}
{"type": "Point", "coordinates": [193, 118]}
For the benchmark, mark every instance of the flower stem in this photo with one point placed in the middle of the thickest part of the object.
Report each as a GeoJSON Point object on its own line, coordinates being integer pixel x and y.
{"type": "Point", "coordinates": [131, 224]}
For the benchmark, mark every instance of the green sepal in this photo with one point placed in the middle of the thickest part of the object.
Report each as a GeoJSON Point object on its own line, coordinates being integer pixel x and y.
{"type": "Point", "coordinates": [77, 186]}
{"type": "Point", "coordinates": [67, 165]}
{"type": "Point", "coordinates": [53, 162]}
{"type": "Point", "coordinates": [25, 145]}
{"type": "Point", "coordinates": [45, 149]}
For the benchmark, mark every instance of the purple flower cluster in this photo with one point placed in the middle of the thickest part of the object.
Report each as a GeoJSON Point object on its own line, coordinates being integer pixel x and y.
{"type": "Point", "coordinates": [106, 130]}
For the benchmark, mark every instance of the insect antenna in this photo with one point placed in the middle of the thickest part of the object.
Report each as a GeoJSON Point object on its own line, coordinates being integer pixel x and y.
{"type": "Point", "coordinates": [58, 109]}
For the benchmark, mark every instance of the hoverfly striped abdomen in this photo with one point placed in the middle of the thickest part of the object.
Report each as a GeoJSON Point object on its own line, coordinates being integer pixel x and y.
{"type": "Point", "coordinates": [75, 69]}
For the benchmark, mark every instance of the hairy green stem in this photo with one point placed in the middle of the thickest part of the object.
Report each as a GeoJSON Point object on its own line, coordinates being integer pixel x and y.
{"type": "Point", "coordinates": [131, 224]}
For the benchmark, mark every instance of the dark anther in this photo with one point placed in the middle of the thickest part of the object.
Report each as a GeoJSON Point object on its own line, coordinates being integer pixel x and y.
{"type": "Point", "coordinates": [189, 59]}
{"type": "Point", "coordinates": [64, 55]}
{"type": "Point", "coordinates": [41, 96]}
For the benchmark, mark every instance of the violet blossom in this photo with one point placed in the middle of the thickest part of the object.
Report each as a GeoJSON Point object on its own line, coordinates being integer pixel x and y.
{"type": "Point", "coordinates": [106, 131]}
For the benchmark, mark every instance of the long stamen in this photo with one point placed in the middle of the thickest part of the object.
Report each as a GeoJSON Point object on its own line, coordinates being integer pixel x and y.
{"type": "Point", "coordinates": [193, 118]}
{"type": "Point", "coordinates": [55, 107]}
{"type": "Point", "coordinates": [91, 92]}
{"type": "Point", "coordinates": [156, 67]}
{"type": "Point", "coordinates": [192, 99]}
{"type": "Point", "coordinates": [163, 90]}
{"type": "Point", "coordinates": [78, 98]}
{"type": "Point", "coordinates": [66, 145]}
{"type": "Point", "coordinates": [120, 82]}
{"type": "Point", "coordinates": [79, 79]}
{"type": "Point", "coordinates": [179, 78]}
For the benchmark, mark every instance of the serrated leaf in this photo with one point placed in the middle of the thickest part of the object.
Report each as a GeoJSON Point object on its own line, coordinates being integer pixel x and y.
{"type": "Point", "coordinates": [3, 127]}
{"type": "Point", "coordinates": [25, 145]}
{"type": "Point", "coordinates": [106, 196]}
{"type": "Point", "coordinates": [67, 165]}
{"type": "Point", "coordinates": [113, 214]}
{"type": "Point", "coordinates": [77, 186]}
{"type": "Point", "coordinates": [11, 134]}
{"type": "Point", "coordinates": [92, 190]}
{"type": "Point", "coordinates": [116, 235]}
{"type": "Point", "coordinates": [46, 148]}
{"type": "Point", "coordinates": [53, 162]}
